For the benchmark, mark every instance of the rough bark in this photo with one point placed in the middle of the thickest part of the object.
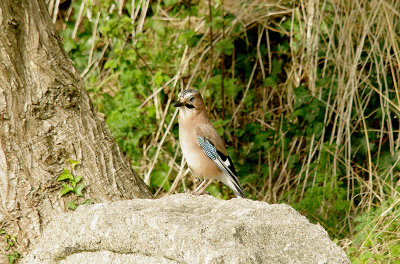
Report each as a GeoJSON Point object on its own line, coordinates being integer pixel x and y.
{"type": "Point", "coordinates": [46, 118]}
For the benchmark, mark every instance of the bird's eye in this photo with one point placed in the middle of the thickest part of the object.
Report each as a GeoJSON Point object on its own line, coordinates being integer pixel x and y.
{"type": "Point", "coordinates": [192, 99]}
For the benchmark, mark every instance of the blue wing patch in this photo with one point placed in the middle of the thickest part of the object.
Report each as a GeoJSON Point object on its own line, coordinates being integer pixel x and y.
{"type": "Point", "coordinates": [223, 162]}
{"type": "Point", "coordinates": [208, 148]}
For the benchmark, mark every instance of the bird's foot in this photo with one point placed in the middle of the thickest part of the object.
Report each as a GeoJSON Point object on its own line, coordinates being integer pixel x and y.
{"type": "Point", "coordinates": [200, 193]}
{"type": "Point", "coordinates": [201, 189]}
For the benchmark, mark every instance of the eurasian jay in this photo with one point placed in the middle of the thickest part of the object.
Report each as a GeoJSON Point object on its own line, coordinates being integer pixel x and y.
{"type": "Point", "coordinates": [202, 147]}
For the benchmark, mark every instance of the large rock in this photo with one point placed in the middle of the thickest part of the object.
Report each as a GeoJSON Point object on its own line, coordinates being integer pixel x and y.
{"type": "Point", "coordinates": [184, 229]}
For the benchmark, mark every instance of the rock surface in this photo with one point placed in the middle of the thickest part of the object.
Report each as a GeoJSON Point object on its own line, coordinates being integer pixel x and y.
{"type": "Point", "coordinates": [184, 229]}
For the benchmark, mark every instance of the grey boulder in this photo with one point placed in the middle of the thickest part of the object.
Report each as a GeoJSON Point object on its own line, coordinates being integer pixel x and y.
{"type": "Point", "coordinates": [184, 229]}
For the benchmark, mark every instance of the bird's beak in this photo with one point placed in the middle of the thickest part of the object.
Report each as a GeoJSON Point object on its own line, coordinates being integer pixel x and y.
{"type": "Point", "coordinates": [178, 104]}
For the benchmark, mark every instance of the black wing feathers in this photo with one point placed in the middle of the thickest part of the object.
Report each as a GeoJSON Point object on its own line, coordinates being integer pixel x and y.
{"type": "Point", "coordinates": [224, 163]}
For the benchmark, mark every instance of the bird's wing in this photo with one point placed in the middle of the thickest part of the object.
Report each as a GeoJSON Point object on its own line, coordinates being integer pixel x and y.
{"type": "Point", "coordinates": [223, 162]}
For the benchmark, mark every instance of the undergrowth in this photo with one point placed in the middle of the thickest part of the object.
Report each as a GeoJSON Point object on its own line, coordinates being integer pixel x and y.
{"type": "Point", "coordinates": [305, 95]}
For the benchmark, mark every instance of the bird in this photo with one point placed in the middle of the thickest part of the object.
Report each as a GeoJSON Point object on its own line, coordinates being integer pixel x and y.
{"type": "Point", "coordinates": [202, 146]}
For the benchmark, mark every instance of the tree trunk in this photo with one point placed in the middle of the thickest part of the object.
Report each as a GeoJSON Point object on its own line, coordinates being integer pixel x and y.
{"type": "Point", "coordinates": [47, 118]}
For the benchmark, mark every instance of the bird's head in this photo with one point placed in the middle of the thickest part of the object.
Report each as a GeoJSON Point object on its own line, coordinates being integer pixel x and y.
{"type": "Point", "coordinates": [190, 99]}
{"type": "Point", "coordinates": [190, 103]}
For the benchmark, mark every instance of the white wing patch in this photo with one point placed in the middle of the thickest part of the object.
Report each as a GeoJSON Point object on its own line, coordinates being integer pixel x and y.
{"type": "Point", "coordinates": [227, 163]}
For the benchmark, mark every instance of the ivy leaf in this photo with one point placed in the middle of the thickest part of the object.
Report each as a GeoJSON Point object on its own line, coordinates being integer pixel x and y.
{"type": "Point", "coordinates": [13, 257]}
{"type": "Point", "coordinates": [65, 175]}
{"type": "Point", "coordinates": [72, 205]}
{"type": "Point", "coordinates": [66, 189]}
{"type": "Point", "coordinates": [73, 163]}
{"type": "Point", "coordinates": [77, 179]}
{"type": "Point", "coordinates": [78, 189]}
{"type": "Point", "coordinates": [87, 201]}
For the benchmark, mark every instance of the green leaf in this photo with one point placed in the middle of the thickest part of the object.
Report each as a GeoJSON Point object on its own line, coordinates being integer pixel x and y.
{"type": "Point", "coordinates": [73, 163]}
{"type": "Point", "coordinates": [366, 255]}
{"type": "Point", "coordinates": [189, 38]}
{"type": "Point", "coordinates": [317, 127]}
{"type": "Point", "coordinates": [379, 256]}
{"type": "Point", "coordinates": [299, 112]}
{"type": "Point", "coordinates": [215, 191]}
{"type": "Point", "coordinates": [302, 95]}
{"type": "Point", "coordinates": [220, 124]}
{"type": "Point", "coordinates": [110, 64]}
{"type": "Point", "coordinates": [65, 175]}
{"type": "Point", "coordinates": [87, 201]}
{"type": "Point", "coordinates": [69, 45]}
{"type": "Point", "coordinates": [77, 179]}
{"type": "Point", "coordinates": [11, 241]}
{"type": "Point", "coordinates": [158, 78]}
{"type": "Point", "coordinates": [293, 160]}
{"type": "Point", "coordinates": [259, 140]}
{"type": "Point", "coordinates": [159, 27]}
{"type": "Point", "coordinates": [249, 178]}
{"type": "Point", "coordinates": [395, 250]}
{"type": "Point", "coordinates": [270, 81]}
{"type": "Point", "coordinates": [169, 3]}
{"type": "Point", "coordinates": [13, 257]}
{"type": "Point", "coordinates": [341, 205]}
{"type": "Point", "coordinates": [232, 88]}
{"type": "Point", "coordinates": [72, 205]}
{"type": "Point", "coordinates": [310, 115]}
{"type": "Point", "coordinates": [66, 189]}
{"type": "Point", "coordinates": [78, 189]}
{"type": "Point", "coordinates": [158, 177]}
{"type": "Point", "coordinates": [277, 65]}
{"type": "Point", "coordinates": [225, 46]}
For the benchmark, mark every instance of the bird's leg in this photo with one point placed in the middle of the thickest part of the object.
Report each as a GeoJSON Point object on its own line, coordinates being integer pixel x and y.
{"type": "Point", "coordinates": [200, 186]}
{"type": "Point", "coordinates": [201, 191]}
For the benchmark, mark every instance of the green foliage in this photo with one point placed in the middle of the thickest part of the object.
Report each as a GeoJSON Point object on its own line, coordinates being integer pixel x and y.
{"type": "Point", "coordinates": [158, 177]}
{"type": "Point", "coordinates": [74, 204]}
{"type": "Point", "coordinates": [317, 120]}
{"type": "Point", "coordinates": [13, 257]}
{"type": "Point", "coordinates": [8, 239]}
{"type": "Point", "coordinates": [71, 183]}
{"type": "Point", "coordinates": [10, 242]}
{"type": "Point", "coordinates": [376, 235]}
{"type": "Point", "coordinates": [225, 46]}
